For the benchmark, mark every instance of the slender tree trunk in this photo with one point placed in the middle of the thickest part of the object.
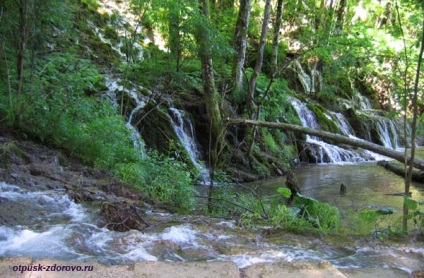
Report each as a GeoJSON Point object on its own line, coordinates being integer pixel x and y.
{"type": "Point", "coordinates": [22, 45]}
{"type": "Point", "coordinates": [240, 42]}
{"type": "Point", "coordinates": [256, 71]}
{"type": "Point", "coordinates": [275, 39]}
{"type": "Point", "coordinates": [211, 96]}
{"type": "Point", "coordinates": [340, 14]}
{"type": "Point", "coordinates": [174, 20]}
{"type": "Point", "coordinates": [413, 130]}
{"type": "Point", "coordinates": [259, 60]}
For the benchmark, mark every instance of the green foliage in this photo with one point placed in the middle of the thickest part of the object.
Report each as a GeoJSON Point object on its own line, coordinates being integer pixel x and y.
{"type": "Point", "coordinates": [270, 142]}
{"type": "Point", "coordinates": [91, 4]}
{"type": "Point", "coordinates": [415, 213]}
{"type": "Point", "coordinates": [378, 223]}
{"type": "Point", "coordinates": [160, 178]}
{"type": "Point", "coordinates": [325, 123]}
{"type": "Point", "coordinates": [320, 215]}
{"type": "Point", "coordinates": [284, 191]}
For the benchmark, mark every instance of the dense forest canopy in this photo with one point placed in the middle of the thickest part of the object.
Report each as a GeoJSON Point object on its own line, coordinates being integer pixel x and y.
{"type": "Point", "coordinates": [217, 59]}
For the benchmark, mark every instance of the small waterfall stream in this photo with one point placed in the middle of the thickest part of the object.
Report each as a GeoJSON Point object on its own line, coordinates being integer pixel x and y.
{"type": "Point", "coordinates": [112, 83]}
{"type": "Point", "coordinates": [184, 129]}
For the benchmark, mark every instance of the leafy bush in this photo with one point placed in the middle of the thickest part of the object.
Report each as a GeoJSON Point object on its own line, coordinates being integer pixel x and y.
{"type": "Point", "coordinates": [161, 178]}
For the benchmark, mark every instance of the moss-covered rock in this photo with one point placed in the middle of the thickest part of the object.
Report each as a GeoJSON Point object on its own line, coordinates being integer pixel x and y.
{"type": "Point", "coordinates": [126, 103]}
{"type": "Point", "coordinates": [325, 123]}
{"type": "Point", "coordinates": [357, 123]}
{"type": "Point", "coordinates": [155, 128]}
{"type": "Point", "coordinates": [111, 34]}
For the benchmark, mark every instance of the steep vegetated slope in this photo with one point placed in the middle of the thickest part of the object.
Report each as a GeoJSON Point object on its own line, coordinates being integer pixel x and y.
{"type": "Point", "coordinates": [92, 76]}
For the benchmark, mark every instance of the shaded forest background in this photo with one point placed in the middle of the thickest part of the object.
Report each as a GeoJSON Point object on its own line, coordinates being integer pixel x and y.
{"type": "Point", "coordinates": [214, 59]}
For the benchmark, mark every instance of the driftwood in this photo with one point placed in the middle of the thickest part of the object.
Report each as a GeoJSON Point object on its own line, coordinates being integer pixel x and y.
{"type": "Point", "coordinates": [399, 156]}
{"type": "Point", "coordinates": [400, 170]}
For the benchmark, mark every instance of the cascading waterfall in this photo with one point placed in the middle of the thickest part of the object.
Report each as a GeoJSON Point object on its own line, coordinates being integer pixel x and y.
{"type": "Point", "coordinates": [304, 78]}
{"type": "Point", "coordinates": [385, 130]}
{"type": "Point", "coordinates": [324, 152]}
{"type": "Point", "coordinates": [113, 85]}
{"type": "Point", "coordinates": [312, 83]}
{"type": "Point", "coordinates": [377, 129]}
{"type": "Point", "coordinates": [184, 130]}
{"type": "Point", "coordinates": [343, 125]}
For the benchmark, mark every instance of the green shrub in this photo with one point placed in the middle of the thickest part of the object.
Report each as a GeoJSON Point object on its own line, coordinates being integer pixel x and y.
{"type": "Point", "coordinates": [161, 178]}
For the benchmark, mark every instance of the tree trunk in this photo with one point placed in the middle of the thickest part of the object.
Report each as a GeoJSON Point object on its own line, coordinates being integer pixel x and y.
{"type": "Point", "coordinates": [414, 130]}
{"type": "Point", "coordinates": [210, 94]}
{"type": "Point", "coordinates": [240, 43]}
{"type": "Point", "coordinates": [259, 60]}
{"type": "Point", "coordinates": [22, 45]}
{"type": "Point", "coordinates": [256, 71]}
{"type": "Point", "coordinates": [417, 175]}
{"type": "Point", "coordinates": [174, 20]}
{"type": "Point", "coordinates": [341, 11]}
{"type": "Point", "coordinates": [399, 156]}
{"type": "Point", "coordinates": [276, 36]}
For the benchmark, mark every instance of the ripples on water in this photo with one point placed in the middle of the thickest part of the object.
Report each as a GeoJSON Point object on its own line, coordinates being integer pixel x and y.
{"type": "Point", "coordinates": [59, 228]}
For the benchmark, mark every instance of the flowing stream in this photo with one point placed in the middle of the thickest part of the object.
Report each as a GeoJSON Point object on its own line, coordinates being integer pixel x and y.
{"type": "Point", "coordinates": [47, 224]}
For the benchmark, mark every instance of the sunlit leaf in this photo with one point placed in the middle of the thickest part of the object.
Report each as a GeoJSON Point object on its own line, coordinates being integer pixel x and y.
{"type": "Point", "coordinates": [284, 191]}
{"type": "Point", "coordinates": [410, 203]}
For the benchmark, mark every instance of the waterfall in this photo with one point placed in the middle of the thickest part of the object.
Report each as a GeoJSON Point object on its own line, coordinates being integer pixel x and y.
{"type": "Point", "coordinates": [388, 133]}
{"type": "Point", "coordinates": [304, 78]}
{"type": "Point", "coordinates": [184, 130]}
{"type": "Point", "coordinates": [322, 151]}
{"type": "Point", "coordinates": [343, 125]}
{"type": "Point", "coordinates": [361, 102]}
{"type": "Point", "coordinates": [113, 85]}
{"type": "Point", "coordinates": [311, 83]}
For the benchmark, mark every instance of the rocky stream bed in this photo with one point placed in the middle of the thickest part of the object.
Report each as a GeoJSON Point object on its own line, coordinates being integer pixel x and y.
{"type": "Point", "coordinates": [44, 194]}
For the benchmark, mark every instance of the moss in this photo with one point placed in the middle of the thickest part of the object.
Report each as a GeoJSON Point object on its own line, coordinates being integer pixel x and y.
{"type": "Point", "coordinates": [325, 123]}
{"type": "Point", "coordinates": [155, 128]}
{"type": "Point", "coordinates": [145, 92]}
{"type": "Point", "coordinates": [103, 54]}
{"type": "Point", "coordinates": [344, 87]}
{"type": "Point", "coordinates": [357, 123]}
{"type": "Point", "coordinates": [327, 99]}
{"type": "Point", "coordinates": [111, 34]}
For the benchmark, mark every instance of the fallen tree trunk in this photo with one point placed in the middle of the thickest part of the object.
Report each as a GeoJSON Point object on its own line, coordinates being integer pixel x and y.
{"type": "Point", "coordinates": [417, 175]}
{"type": "Point", "coordinates": [399, 156]}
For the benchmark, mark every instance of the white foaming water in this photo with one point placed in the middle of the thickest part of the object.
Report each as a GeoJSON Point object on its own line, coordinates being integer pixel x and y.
{"type": "Point", "coordinates": [26, 242]}
{"type": "Point", "coordinates": [75, 238]}
{"type": "Point", "coordinates": [180, 234]}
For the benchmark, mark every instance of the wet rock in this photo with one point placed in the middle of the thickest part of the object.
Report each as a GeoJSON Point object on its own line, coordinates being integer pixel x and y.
{"type": "Point", "coordinates": [418, 274]}
{"type": "Point", "coordinates": [343, 189]}
{"type": "Point", "coordinates": [184, 270]}
{"type": "Point", "coordinates": [122, 216]}
{"type": "Point", "coordinates": [373, 272]}
{"type": "Point", "coordinates": [88, 195]}
{"type": "Point", "coordinates": [293, 270]}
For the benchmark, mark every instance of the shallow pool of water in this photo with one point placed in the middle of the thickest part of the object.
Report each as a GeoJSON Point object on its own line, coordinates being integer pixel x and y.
{"type": "Point", "coordinates": [369, 186]}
